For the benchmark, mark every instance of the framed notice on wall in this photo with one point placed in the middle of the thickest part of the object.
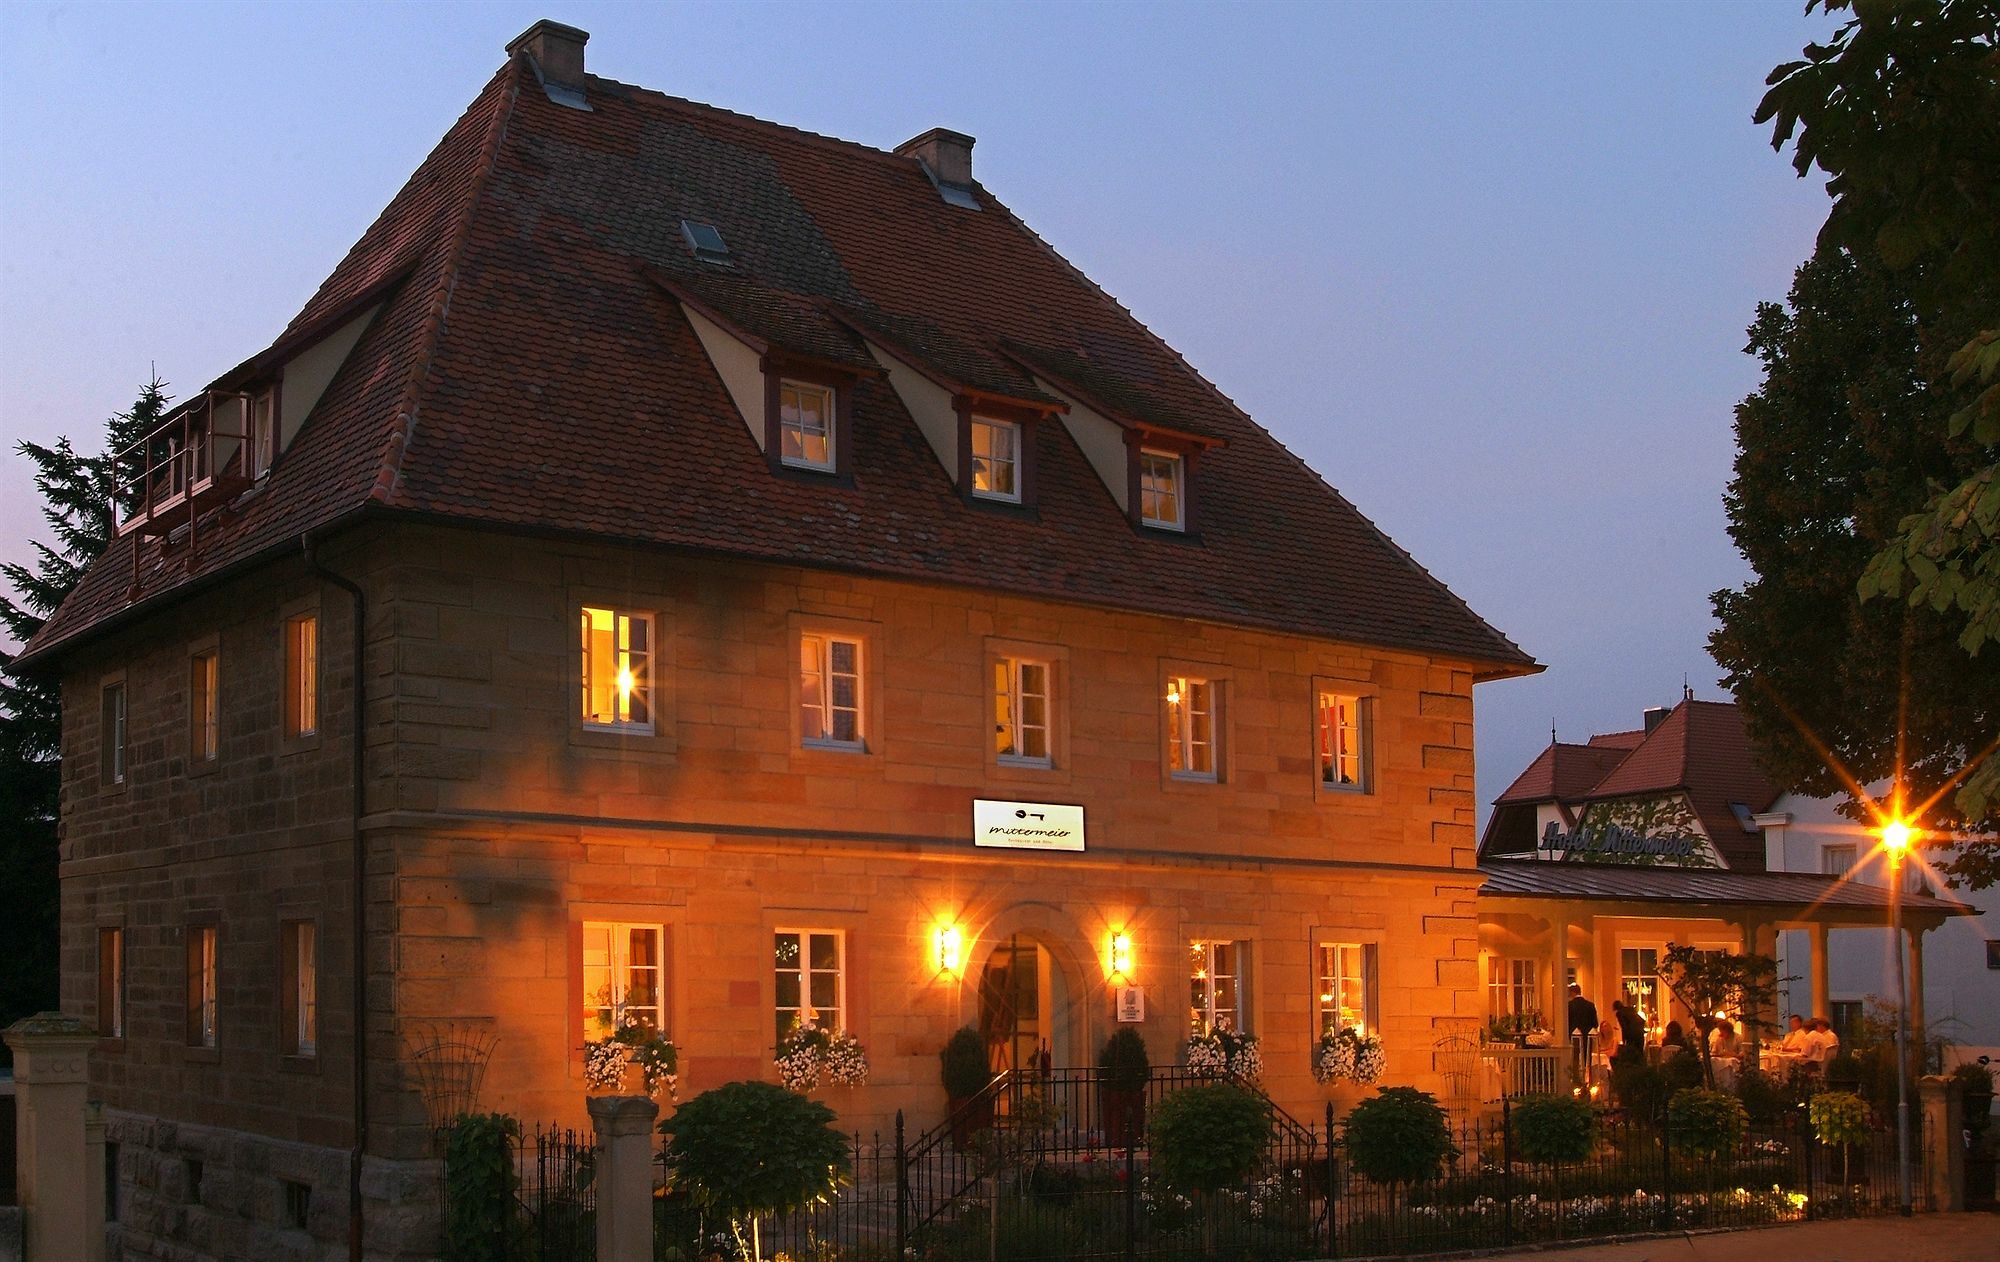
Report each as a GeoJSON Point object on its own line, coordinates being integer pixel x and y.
{"type": "Point", "coordinates": [1129, 1002]}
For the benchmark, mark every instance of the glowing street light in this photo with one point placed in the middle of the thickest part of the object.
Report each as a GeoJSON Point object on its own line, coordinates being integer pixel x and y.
{"type": "Point", "coordinates": [1896, 840]}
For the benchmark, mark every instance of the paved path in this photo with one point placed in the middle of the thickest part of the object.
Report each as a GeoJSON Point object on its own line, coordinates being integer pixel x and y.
{"type": "Point", "coordinates": [1924, 1238]}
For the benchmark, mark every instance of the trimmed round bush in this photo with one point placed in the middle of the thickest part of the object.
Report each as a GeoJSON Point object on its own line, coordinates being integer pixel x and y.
{"type": "Point", "coordinates": [1209, 1136]}
{"type": "Point", "coordinates": [1399, 1135]}
{"type": "Point", "coordinates": [1124, 1062]}
{"type": "Point", "coordinates": [1707, 1125]}
{"type": "Point", "coordinates": [1838, 1117]}
{"type": "Point", "coordinates": [1553, 1129]}
{"type": "Point", "coordinates": [750, 1148]}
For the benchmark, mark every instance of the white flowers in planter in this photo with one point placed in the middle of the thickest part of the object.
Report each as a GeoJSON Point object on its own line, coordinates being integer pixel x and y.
{"type": "Point", "coordinates": [658, 1059]}
{"type": "Point", "coordinates": [807, 1053]}
{"type": "Point", "coordinates": [1347, 1053]}
{"type": "Point", "coordinates": [1223, 1052]}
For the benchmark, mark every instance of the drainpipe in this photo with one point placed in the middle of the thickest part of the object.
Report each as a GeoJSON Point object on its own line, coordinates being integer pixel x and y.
{"type": "Point", "coordinates": [359, 878]}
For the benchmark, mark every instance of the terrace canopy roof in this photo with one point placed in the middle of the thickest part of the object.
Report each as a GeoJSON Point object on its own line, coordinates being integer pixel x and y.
{"type": "Point", "coordinates": [1636, 890]}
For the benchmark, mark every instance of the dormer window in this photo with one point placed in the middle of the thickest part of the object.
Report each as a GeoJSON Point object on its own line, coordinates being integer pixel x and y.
{"type": "Point", "coordinates": [996, 459]}
{"type": "Point", "coordinates": [1162, 489]}
{"type": "Point", "coordinates": [805, 425]}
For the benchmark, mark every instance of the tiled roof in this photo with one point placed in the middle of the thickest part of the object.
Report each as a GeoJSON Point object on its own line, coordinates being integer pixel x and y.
{"type": "Point", "coordinates": [1519, 878]}
{"type": "Point", "coordinates": [528, 371]}
{"type": "Point", "coordinates": [1700, 748]}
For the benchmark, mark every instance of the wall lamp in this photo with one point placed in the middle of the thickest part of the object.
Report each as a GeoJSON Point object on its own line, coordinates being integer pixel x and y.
{"type": "Point", "coordinates": [947, 949]}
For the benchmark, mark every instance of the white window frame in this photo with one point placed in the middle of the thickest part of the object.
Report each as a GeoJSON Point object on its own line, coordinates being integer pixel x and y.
{"type": "Point", "coordinates": [1343, 741]}
{"type": "Point", "coordinates": [619, 972]}
{"type": "Point", "coordinates": [637, 664]}
{"type": "Point", "coordinates": [115, 714]}
{"type": "Point", "coordinates": [1162, 479]}
{"type": "Point", "coordinates": [263, 436]}
{"type": "Point", "coordinates": [1513, 985]}
{"type": "Point", "coordinates": [1829, 863]}
{"type": "Point", "coordinates": [803, 971]}
{"type": "Point", "coordinates": [817, 681]}
{"type": "Point", "coordinates": [1204, 1013]}
{"type": "Point", "coordinates": [993, 460]}
{"type": "Point", "coordinates": [204, 710]}
{"type": "Point", "coordinates": [1341, 970]}
{"type": "Point", "coordinates": [792, 396]}
{"type": "Point", "coordinates": [1184, 718]}
{"type": "Point", "coordinates": [302, 674]}
{"type": "Point", "coordinates": [1644, 982]}
{"type": "Point", "coordinates": [1011, 703]}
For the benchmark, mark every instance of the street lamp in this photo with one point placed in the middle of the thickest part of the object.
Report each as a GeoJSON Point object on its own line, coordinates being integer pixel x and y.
{"type": "Point", "coordinates": [1896, 840]}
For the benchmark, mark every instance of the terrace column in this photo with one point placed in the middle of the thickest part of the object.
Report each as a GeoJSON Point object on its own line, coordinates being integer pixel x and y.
{"type": "Point", "coordinates": [1760, 937]}
{"type": "Point", "coordinates": [624, 1125]}
{"type": "Point", "coordinates": [1556, 1016]}
{"type": "Point", "coordinates": [52, 1086]}
{"type": "Point", "coordinates": [1822, 1003]}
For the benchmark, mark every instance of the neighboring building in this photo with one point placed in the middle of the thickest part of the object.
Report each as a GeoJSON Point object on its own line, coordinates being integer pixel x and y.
{"type": "Point", "coordinates": [725, 540]}
{"type": "Point", "coordinates": [1671, 832]}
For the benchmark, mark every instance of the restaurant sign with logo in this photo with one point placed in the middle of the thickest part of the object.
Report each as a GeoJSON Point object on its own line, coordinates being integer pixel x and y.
{"type": "Point", "coordinates": [1614, 840]}
{"type": "Point", "coordinates": [1027, 825]}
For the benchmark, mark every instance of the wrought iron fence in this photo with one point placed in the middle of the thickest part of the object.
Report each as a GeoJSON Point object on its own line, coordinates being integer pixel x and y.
{"type": "Point", "coordinates": [552, 1209]}
{"type": "Point", "coordinates": [1055, 1189]}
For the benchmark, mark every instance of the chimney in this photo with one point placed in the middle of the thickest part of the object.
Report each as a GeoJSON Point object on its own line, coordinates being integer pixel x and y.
{"type": "Point", "coordinates": [947, 159]}
{"type": "Point", "coordinates": [1656, 715]}
{"type": "Point", "coordinates": [557, 53]}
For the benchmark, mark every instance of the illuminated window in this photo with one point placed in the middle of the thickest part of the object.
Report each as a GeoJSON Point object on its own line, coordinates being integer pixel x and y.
{"type": "Point", "coordinates": [623, 978]}
{"type": "Point", "coordinates": [1216, 998]}
{"type": "Point", "coordinates": [300, 993]}
{"type": "Point", "coordinates": [830, 690]}
{"type": "Point", "coordinates": [805, 425]}
{"type": "Point", "coordinates": [111, 983]}
{"type": "Point", "coordinates": [1639, 982]}
{"type": "Point", "coordinates": [1021, 711]}
{"type": "Point", "coordinates": [302, 675]}
{"type": "Point", "coordinates": [201, 986]}
{"type": "Point", "coordinates": [1191, 728]}
{"type": "Point", "coordinates": [1346, 980]}
{"type": "Point", "coordinates": [1836, 860]}
{"type": "Point", "coordinates": [1162, 501]}
{"type": "Point", "coordinates": [203, 736]}
{"type": "Point", "coordinates": [111, 735]}
{"type": "Point", "coordinates": [1340, 742]}
{"type": "Point", "coordinates": [996, 460]}
{"type": "Point", "coordinates": [1510, 988]}
{"type": "Point", "coordinates": [811, 979]}
{"type": "Point", "coordinates": [617, 669]}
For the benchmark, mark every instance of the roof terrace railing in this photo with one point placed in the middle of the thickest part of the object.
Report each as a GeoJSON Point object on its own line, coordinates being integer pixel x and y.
{"type": "Point", "coordinates": [190, 462]}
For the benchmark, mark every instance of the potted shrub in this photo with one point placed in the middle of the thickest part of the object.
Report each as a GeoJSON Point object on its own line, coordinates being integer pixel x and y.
{"type": "Point", "coordinates": [1124, 1069]}
{"type": "Point", "coordinates": [966, 1073]}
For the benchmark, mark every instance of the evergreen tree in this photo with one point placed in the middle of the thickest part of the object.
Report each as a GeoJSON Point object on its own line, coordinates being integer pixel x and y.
{"type": "Point", "coordinates": [1869, 462]}
{"type": "Point", "coordinates": [77, 491]}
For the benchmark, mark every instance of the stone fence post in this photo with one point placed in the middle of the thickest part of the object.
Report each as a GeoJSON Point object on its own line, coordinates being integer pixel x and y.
{"type": "Point", "coordinates": [1944, 1141]}
{"type": "Point", "coordinates": [52, 1086]}
{"type": "Point", "coordinates": [624, 1125]}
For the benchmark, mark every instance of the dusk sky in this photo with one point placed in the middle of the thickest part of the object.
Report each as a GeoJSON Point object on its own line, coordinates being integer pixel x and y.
{"type": "Point", "coordinates": [1485, 267]}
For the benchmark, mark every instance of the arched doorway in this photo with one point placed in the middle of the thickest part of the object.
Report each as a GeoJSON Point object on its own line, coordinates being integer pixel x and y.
{"type": "Point", "coordinates": [1029, 1013]}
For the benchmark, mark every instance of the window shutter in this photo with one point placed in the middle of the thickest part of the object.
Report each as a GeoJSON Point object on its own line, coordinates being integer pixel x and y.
{"type": "Point", "coordinates": [1371, 988]}
{"type": "Point", "coordinates": [192, 934]}
{"type": "Point", "coordinates": [288, 989]}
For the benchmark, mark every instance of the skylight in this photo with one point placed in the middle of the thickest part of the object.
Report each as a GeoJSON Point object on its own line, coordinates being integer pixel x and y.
{"type": "Point", "coordinates": [705, 241]}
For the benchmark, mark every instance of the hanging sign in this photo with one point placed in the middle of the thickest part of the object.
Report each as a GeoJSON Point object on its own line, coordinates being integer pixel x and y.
{"type": "Point", "coordinates": [1130, 1003]}
{"type": "Point", "coordinates": [1027, 825]}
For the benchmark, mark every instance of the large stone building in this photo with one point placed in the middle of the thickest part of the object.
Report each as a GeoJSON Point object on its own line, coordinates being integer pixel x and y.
{"type": "Point", "coordinates": [659, 574]}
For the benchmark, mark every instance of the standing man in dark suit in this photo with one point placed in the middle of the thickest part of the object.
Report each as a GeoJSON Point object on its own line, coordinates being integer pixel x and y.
{"type": "Point", "coordinates": [1582, 1027]}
